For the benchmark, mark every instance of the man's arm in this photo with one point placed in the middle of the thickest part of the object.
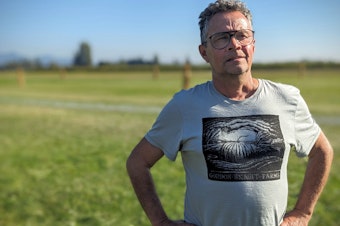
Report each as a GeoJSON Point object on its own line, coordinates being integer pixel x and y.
{"type": "Point", "coordinates": [317, 171]}
{"type": "Point", "coordinates": [138, 165]}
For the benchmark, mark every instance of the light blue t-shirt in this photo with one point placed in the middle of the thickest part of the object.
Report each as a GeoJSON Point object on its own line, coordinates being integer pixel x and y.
{"type": "Point", "coordinates": [235, 153]}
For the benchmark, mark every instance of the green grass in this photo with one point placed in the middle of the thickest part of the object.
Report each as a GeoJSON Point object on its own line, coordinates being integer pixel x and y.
{"type": "Point", "coordinates": [65, 165]}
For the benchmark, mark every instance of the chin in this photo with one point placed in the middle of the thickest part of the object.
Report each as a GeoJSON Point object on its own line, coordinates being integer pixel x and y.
{"type": "Point", "coordinates": [239, 70]}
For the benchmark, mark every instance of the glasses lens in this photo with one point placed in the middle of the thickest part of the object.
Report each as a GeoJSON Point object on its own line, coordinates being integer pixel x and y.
{"type": "Point", "coordinates": [245, 37]}
{"type": "Point", "coordinates": [221, 40]}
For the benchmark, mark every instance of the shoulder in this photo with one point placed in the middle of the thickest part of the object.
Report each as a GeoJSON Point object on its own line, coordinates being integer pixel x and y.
{"type": "Point", "coordinates": [186, 99]}
{"type": "Point", "coordinates": [197, 91]}
{"type": "Point", "coordinates": [280, 88]}
{"type": "Point", "coordinates": [280, 92]}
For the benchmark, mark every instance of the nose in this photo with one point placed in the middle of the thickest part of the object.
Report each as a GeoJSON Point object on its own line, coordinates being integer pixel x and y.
{"type": "Point", "coordinates": [233, 44]}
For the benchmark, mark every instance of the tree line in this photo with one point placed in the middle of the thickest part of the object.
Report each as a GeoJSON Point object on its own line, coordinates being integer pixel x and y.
{"type": "Point", "coordinates": [83, 60]}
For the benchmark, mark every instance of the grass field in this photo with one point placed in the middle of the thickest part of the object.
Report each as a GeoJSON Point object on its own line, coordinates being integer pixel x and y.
{"type": "Point", "coordinates": [64, 143]}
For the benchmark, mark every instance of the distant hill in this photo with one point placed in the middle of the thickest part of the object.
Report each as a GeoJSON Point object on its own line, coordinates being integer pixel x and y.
{"type": "Point", "coordinates": [44, 60]}
{"type": "Point", "coordinates": [6, 58]}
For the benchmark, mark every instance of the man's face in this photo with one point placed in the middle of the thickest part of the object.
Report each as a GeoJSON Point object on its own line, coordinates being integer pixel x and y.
{"type": "Point", "coordinates": [234, 59]}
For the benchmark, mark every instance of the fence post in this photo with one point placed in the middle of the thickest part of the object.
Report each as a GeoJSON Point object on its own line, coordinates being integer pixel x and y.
{"type": "Point", "coordinates": [186, 75]}
{"type": "Point", "coordinates": [21, 77]}
{"type": "Point", "coordinates": [62, 73]}
{"type": "Point", "coordinates": [302, 69]}
{"type": "Point", "coordinates": [155, 71]}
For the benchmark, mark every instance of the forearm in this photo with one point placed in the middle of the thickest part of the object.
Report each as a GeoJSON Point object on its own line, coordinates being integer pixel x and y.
{"type": "Point", "coordinates": [317, 171]}
{"type": "Point", "coordinates": [143, 185]}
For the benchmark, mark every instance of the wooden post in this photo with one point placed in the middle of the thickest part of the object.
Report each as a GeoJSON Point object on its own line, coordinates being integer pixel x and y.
{"type": "Point", "coordinates": [186, 75]}
{"type": "Point", "coordinates": [21, 77]}
{"type": "Point", "coordinates": [302, 69]}
{"type": "Point", "coordinates": [62, 73]}
{"type": "Point", "coordinates": [155, 71]}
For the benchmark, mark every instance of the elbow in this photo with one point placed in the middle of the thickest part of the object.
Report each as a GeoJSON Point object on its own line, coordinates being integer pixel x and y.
{"type": "Point", "coordinates": [142, 158]}
{"type": "Point", "coordinates": [135, 165]}
{"type": "Point", "coordinates": [130, 164]}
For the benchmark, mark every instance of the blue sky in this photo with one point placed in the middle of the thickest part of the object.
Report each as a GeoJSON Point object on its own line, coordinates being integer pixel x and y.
{"type": "Point", "coordinates": [125, 29]}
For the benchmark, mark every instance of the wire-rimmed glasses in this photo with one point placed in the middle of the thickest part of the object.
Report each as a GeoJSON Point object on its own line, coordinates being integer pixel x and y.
{"type": "Point", "coordinates": [221, 40]}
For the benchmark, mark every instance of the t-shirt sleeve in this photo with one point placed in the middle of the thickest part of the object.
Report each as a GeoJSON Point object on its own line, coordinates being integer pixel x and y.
{"type": "Point", "coordinates": [166, 132]}
{"type": "Point", "coordinates": [306, 129]}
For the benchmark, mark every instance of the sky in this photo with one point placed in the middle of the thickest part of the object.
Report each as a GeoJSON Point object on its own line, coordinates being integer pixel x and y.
{"type": "Point", "coordinates": [290, 30]}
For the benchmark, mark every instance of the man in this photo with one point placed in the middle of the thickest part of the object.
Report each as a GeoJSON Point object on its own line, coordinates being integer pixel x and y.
{"type": "Point", "coordinates": [235, 134]}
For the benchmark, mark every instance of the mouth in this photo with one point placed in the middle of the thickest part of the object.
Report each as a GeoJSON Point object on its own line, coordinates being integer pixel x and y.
{"type": "Point", "coordinates": [236, 58]}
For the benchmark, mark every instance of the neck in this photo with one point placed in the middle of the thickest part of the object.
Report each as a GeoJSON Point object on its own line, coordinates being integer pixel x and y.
{"type": "Point", "coordinates": [236, 87]}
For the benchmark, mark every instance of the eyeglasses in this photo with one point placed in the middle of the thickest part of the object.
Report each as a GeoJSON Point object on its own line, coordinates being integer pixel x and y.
{"type": "Point", "coordinates": [221, 40]}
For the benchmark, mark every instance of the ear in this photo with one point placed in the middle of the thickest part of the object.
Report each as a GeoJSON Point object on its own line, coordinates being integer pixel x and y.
{"type": "Point", "coordinates": [203, 52]}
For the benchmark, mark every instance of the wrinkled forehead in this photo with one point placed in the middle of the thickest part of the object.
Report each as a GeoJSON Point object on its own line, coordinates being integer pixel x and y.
{"type": "Point", "coordinates": [228, 21]}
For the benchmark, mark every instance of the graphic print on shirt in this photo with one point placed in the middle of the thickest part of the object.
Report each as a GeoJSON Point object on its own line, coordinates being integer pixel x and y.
{"type": "Point", "coordinates": [247, 148]}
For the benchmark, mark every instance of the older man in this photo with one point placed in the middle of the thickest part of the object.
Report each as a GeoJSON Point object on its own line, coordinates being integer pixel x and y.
{"type": "Point", "coordinates": [235, 134]}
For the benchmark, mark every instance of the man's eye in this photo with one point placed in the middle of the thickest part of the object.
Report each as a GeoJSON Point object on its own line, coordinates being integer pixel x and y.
{"type": "Point", "coordinates": [221, 38]}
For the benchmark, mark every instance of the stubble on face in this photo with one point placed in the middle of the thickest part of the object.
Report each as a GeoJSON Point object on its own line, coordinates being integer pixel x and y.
{"type": "Point", "coordinates": [237, 62]}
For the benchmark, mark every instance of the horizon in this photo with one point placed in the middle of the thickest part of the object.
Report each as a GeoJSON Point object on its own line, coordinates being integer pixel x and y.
{"type": "Point", "coordinates": [46, 61]}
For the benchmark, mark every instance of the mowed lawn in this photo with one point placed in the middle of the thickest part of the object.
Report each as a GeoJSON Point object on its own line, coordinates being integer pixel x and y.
{"type": "Point", "coordinates": [65, 137]}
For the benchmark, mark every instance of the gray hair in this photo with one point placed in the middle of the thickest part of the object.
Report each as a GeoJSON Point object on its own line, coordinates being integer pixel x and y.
{"type": "Point", "coordinates": [217, 7]}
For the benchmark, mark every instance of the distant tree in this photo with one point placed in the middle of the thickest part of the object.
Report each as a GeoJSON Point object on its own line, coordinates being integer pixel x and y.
{"type": "Point", "coordinates": [83, 56]}
{"type": "Point", "coordinates": [156, 59]}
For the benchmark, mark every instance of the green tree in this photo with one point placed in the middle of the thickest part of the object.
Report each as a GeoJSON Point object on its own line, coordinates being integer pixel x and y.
{"type": "Point", "coordinates": [83, 56]}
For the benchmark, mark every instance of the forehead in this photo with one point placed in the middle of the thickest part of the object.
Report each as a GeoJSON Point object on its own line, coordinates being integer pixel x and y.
{"type": "Point", "coordinates": [228, 21]}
